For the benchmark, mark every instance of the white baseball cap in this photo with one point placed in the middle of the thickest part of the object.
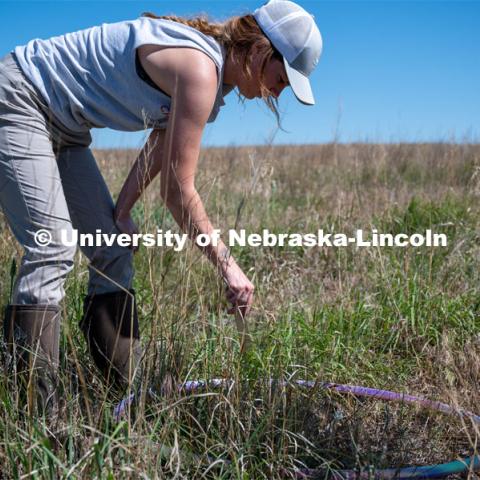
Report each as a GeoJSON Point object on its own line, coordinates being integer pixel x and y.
{"type": "Point", "coordinates": [295, 35]}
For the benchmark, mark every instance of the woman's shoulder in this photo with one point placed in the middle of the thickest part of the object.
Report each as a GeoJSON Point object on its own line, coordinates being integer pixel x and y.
{"type": "Point", "coordinates": [167, 32]}
{"type": "Point", "coordinates": [171, 67]}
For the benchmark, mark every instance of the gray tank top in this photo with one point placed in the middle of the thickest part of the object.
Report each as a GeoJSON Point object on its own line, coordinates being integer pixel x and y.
{"type": "Point", "coordinates": [92, 78]}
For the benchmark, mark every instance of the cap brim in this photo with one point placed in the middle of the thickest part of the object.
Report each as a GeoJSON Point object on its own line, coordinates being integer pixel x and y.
{"type": "Point", "coordinates": [300, 85]}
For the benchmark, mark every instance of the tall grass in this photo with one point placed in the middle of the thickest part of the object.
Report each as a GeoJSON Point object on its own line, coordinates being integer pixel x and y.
{"type": "Point", "coordinates": [405, 319]}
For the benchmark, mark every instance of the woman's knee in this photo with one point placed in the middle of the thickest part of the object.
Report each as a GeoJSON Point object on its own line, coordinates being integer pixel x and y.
{"type": "Point", "coordinates": [42, 274]}
{"type": "Point", "coordinates": [111, 268]}
{"type": "Point", "coordinates": [47, 260]}
{"type": "Point", "coordinates": [52, 246]}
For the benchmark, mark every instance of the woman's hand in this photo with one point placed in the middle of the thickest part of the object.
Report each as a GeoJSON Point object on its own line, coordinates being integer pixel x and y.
{"type": "Point", "coordinates": [239, 290]}
{"type": "Point", "coordinates": [126, 225]}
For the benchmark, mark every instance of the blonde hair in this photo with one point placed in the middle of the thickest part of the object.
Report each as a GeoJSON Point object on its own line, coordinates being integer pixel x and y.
{"type": "Point", "coordinates": [238, 35]}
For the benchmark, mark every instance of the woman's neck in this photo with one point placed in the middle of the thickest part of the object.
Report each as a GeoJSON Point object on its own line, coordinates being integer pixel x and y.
{"type": "Point", "coordinates": [230, 71]}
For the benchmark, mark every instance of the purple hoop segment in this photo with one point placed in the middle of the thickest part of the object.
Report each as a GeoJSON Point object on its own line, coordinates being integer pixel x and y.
{"type": "Point", "coordinates": [412, 472]}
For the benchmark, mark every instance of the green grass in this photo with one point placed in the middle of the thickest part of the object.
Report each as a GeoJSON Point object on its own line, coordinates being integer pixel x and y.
{"type": "Point", "coordinates": [405, 319]}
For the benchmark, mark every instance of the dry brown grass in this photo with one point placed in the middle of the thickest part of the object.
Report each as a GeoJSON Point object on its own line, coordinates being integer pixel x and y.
{"type": "Point", "coordinates": [402, 319]}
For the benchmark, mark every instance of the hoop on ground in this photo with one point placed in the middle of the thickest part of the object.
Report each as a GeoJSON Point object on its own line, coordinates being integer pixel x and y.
{"type": "Point", "coordinates": [439, 470]}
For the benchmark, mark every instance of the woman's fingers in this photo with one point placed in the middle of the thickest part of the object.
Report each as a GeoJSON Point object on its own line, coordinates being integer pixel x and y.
{"type": "Point", "coordinates": [240, 300]}
{"type": "Point", "coordinates": [248, 303]}
{"type": "Point", "coordinates": [236, 296]}
{"type": "Point", "coordinates": [239, 291]}
{"type": "Point", "coordinates": [128, 226]}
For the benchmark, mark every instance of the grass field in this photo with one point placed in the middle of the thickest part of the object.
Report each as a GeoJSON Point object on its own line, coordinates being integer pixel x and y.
{"type": "Point", "coordinates": [404, 319]}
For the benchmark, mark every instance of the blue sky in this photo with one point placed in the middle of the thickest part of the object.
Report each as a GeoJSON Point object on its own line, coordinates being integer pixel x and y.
{"type": "Point", "coordinates": [390, 70]}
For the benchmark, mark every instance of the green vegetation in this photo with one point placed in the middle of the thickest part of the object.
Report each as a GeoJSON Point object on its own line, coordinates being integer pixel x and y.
{"type": "Point", "coordinates": [403, 319]}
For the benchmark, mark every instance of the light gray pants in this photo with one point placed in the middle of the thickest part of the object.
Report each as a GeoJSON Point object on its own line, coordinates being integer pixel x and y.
{"type": "Point", "coordinates": [49, 180]}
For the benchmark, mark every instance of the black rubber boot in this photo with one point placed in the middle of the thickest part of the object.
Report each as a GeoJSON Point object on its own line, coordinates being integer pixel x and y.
{"type": "Point", "coordinates": [32, 335]}
{"type": "Point", "coordinates": [110, 326]}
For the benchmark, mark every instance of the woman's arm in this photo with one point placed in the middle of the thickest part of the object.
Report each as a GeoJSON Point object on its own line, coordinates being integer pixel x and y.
{"type": "Point", "coordinates": [144, 170]}
{"type": "Point", "coordinates": [193, 91]}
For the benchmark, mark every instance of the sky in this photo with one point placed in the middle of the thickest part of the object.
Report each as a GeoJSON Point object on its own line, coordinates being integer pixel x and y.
{"type": "Point", "coordinates": [390, 70]}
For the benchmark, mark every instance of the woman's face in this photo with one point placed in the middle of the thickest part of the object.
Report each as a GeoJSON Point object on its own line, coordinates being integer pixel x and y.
{"type": "Point", "coordinates": [274, 78]}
